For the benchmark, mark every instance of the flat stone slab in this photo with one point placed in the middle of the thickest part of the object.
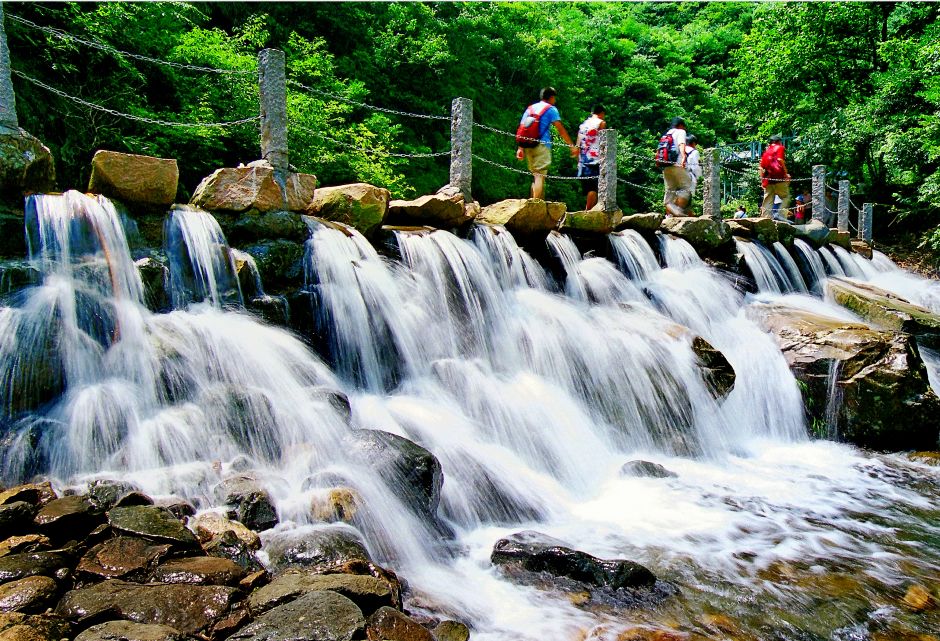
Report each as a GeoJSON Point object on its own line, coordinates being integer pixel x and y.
{"type": "Point", "coordinates": [315, 616]}
{"type": "Point", "coordinates": [367, 592]}
{"type": "Point", "coordinates": [131, 178]}
{"type": "Point", "coordinates": [151, 522]}
{"type": "Point", "coordinates": [122, 556]}
{"type": "Point", "coordinates": [20, 566]}
{"type": "Point", "coordinates": [648, 222]}
{"type": "Point", "coordinates": [885, 309]}
{"type": "Point", "coordinates": [199, 570]}
{"type": "Point", "coordinates": [130, 631]}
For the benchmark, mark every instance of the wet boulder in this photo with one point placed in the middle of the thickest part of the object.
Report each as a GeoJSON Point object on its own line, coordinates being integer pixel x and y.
{"type": "Point", "coordinates": [280, 263]}
{"type": "Point", "coordinates": [130, 631]}
{"type": "Point", "coordinates": [187, 608]}
{"type": "Point", "coordinates": [886, 399]}
{"type": "Point", "coordinates": [122, 557]}
{"type": "Point", "coordinates": [451, 631]}
{"type": "Point", "coordinates": [32, 493]}
{"type": "Point", "coordinates": [199, 570]}
{"type": "Point", "coordinates": [210, 524]}
{"type": "Point", "coordinates": [389, 623]}
{"type": "Point", "coordinates": [16, 517]}
{"type": "Point", "coordinates": [227, 545]}
{"type": "Point", "coordinates": [335, 504]}
{"type": "Point", "coordinates": [17, 626]}
{"type": "Point", "coordinates": [109, 493]}
{"type": "Point", "coordinates": [70, 516]}
{"type": "Point", "coordinates": [317, 616]}
{"type": "Point", "coordinates": [154, 275]}
{"type": "Point", "coordinates": [239, 189]}
{"type": "Point", "coordinates": [413, 471]}
{"type": "Point", "coordinates": [815, 232]}
{"type": "Point", "coordinates": [316, 547]}
{"type": "Point", "coordinates": [536, 552]}
{"type": "Point", "coordinates": [19, 566]}
{"type": "Point", "coordinates": [523, 216]}
{"type": "Point", "coordinates": [763, 230]}
{"type": "Point", "coordinates": [253, 505]}
{"type": "Point", "coordinates": [885, 309]}
{"type": "Point", "coordinates": [24, 543]}
{"type": "Point", "coordinates": [253, 225]}
{"type": "Point", "coordinates": [718, 372]}
{"type": "Point", "coordinates": [359, 205]}
{"type": "Point", "coordinates": [441, 211]}
{"type": "Point", "coordinates": [32, 594]}
{"type": "Point", "coordinates": [593, 221]}
{"type": "Point", "coordinates": [152, 523]}
{"type": "Point", "coordinates": [369, 593]}
{"type": "Point", "coordinates": [136, 179]}
{"type": "Point", "coordinates": [26, 166]}
{"type": "Point", "coordinates": [646, 469]}
{"type": "Point", "coordinates": [702, 233]}
{"type": "Point", "coordinates": [643, 223]}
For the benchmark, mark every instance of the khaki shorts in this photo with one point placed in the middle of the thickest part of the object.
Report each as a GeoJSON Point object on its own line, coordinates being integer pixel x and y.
{"type": "Point", "coordinates": [539, 158]}
{"type": "Point", "coordinates": [678, 184]}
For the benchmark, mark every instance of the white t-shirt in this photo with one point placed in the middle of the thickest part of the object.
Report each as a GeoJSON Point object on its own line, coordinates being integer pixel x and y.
{"type": "Point", "coordinates": [692, 164]}
{"type": "Point", "coordinates": [678, 137]}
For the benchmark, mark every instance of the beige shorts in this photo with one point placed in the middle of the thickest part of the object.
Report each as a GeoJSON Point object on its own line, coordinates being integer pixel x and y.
{"type": "Point", "coordinates": [539, 158]}
{"type": "Point", "coordinates": [678, 184]}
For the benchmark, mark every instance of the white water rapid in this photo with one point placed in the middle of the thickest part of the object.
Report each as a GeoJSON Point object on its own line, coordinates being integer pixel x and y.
{"type": "Point", "coordinates": [532, 394]}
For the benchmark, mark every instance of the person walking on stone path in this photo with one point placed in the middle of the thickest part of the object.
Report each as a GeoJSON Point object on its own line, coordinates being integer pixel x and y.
{"type": "Point", "coordinates": [539, 156]}
{"type": "Point", "coordinates": [589, 153]}
{"type": "Point", "coordinates": [676, 177]}
{"type": "Point", "coordinates": [774, 177]}
{"type": "Point", "coordinates": [692, 163]}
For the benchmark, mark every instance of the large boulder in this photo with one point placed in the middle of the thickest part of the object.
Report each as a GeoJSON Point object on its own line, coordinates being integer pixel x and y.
{"type": "Point", "coordinates": [389, 623]}
{"type": "Point", "coordinates": [369, 593]}
{"type": "Point", "coordinates": [299, 190]}
{"type": "Point", "coordinates": [439, 210]}
{"type": "Point", "coordinates": [537, 552]}
{"type": "Point", "coordinates": [815, 232]}
{"type": "Point", "coordinates": [592, 221]}
{"type": "Point", "coordinates": [320, 548]}
{"type": "Point", "coordinates": [886, 399]}
{"type": "Point", "coordinates": [187, 608]}
{"type": "Point", "coordinates": [134, 179]}
{"type": "Point", "coordinates": [32, 594]}
{"type": "Point", "coordinates": [885, 309]}
{"type": "Point", "coordinates": [239, 189]}
{"type": "Point", "coordinates": [701, 232]}
{"type": "Point", "coordinates": [122, 557]}
{"type": "Point", "coordinates": [525, 216]}
{"type": "Point", "coordinates": [648, 223]}
{"type": "Point", "coordinates": [152, 523]}
{"type": "Point", "coordinates": [253, 225]}
{"type": "Point", "coordinates": [359, 205]}
{"type": "Point", "coordinates": [315, 616]}
{"type": "Point", "coordinates": [26, 166]}
{"type": "Point", "coordinates": [763, 230]}
{"type": "Point", "coordinates": [841, 238]}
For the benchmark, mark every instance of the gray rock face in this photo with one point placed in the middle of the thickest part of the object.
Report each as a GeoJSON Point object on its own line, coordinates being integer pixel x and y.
{"type": "Point", "coordinates": [323, 547]}
{"type": "Point", "coordinates": [130, 631]}
{"type": "Point", "coordinates": [647, 469]}
{"type": "Point", "coordinates": [253, 505]}
{"type": "Point", "coordinates": [122, 557]}
{"type": "Point", "coordinates": [536, 552]}
{"type": "Point", "coordinates": [315, 616]}
{"type": "Point", "coordinates": [367, 592]}
{"type": "Point", "coordinates": [32, 594]}
{"type": "Point", "coordinates": [151, 522]}
{"type": "Point", "coordinates": [187, 608]}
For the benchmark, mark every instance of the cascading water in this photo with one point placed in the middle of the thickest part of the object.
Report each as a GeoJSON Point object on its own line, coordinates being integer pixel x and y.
{"type": "Point", "coordinates": [797, 283]}
{"type": "Point", "coordinates": [812, 264]}
{"type": "Point", "coordinates": [833, 267]}
{"type": "Point", "coordinates": [532, 400]}
{"type": "Point", "coordinates": [767, 271]}
{"type": "Point", "coordinates": [201, 263]}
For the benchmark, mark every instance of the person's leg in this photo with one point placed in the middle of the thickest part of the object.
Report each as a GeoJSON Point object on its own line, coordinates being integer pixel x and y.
{"type": "Point", "coordinates": [539, 159]}
{"type": "Point", "coordinates": [785, 200]}
{"type": "Point", "coordinates": [591, 200]}
{"type": "Point", "coordinates": [766, 206]}
{"type": "Point", "coordinates": [538, 186]}
{"type": "Point", "coordinates": [589, 186]}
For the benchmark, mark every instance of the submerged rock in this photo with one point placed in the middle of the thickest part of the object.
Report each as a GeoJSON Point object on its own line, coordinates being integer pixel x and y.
{"type": "Point", "coordinates": [647, 469]}
{"type": "Point", "coordinates": [537, 552]}
{"type": "Point", "coordinates": [317, 616]}
{"type": "Point", "coordinates": [321, 547]}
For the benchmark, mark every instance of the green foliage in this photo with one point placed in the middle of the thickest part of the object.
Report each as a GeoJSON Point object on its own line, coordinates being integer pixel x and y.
{"type": "Point", "coordinates": [857, 83]}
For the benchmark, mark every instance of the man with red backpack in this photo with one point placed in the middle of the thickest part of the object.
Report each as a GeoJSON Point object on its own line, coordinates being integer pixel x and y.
{"type": "Point", "coordinates": [774, 177]}
{"type": "Point", "coordinates": [534, 138]}
{"type": "Point", "coordinates": [671, 158]}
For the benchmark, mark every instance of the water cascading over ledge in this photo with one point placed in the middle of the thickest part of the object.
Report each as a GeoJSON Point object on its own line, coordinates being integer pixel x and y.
{"type": "Point", "coordinates": [531, 394]}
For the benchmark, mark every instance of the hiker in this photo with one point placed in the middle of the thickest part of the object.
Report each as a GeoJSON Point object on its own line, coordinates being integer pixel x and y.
{"type": "Point", "coordinates": [799, 210]}
{"type": "Point", "coordinates": [671, 157]}
{"type": "Point", "coordinates": [692, 162]}
{"type": "Point", "coordinates": [589, 154]}
{"type": "Point", "coordinates": [741, 212]}
{"type": "Point", "coordinates": [774, 177]}
{"type": "Point", "coordinates": [538, 153]}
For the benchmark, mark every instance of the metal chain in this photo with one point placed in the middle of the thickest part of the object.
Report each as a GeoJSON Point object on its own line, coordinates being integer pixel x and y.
{"type": "Point", "coordinates": [114, 112]}
{"type": "Point", "coordinates": [559, 143]}
{"type": "Point", "coordinates": [108, 48]}
{"type": "Point", "coordinates": [643, 187]}
{"type": "Point", "coordinates": [371, 151]}
{"type": "Point", "coordinates": [328, 94]}
{"type": "Point", "coordinates": [528, 173]}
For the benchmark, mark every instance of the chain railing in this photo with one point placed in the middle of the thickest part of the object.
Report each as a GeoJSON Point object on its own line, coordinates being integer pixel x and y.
{"type": "Point", "coordinates": [368, 150]}
{"type": "Point", "coordinates": [335, 96]}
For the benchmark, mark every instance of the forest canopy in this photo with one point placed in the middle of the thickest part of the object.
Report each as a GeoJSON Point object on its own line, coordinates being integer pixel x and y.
{"type": "Point", "coordinates": [854, 86]}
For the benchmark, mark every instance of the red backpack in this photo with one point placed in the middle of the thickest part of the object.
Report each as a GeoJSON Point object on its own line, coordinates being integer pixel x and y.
{"type": "Point", "coordinates": [527, 135]}
{"type": "Point", "coordinates": [666, 154]}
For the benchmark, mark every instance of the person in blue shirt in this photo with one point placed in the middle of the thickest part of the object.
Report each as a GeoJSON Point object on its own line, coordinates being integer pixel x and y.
{"type": "Point", "coordinates": [539, 158]}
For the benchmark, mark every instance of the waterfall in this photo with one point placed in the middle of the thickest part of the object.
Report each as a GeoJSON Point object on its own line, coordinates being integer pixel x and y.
{"type": "Point", "coordinates": [833, 267]}
{"type": "Point", "coordinates": [201, 263]}
{"type": "Point", "coordinates": [797, 284]}
{"type": "Point", "coordinates": [813, 266]}
{"type": "Point", "coordinates": [634, 255]}
{"type": "Point", "coordinates": [513, 266]}
{"type": "Point", "coordinates": [766, 269]}
{"type": "Point", "coordinates": [677, 252]}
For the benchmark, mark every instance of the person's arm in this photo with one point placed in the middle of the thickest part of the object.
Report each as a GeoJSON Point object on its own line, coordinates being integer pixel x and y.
{"type": "Point", "coordinates": [564, 136]}
{"type": "Point", "coordinates": [682, 155]}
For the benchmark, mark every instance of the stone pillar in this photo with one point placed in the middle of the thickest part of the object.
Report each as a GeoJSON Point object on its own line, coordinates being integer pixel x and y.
{"type": "Point", "coordinates": [607, 179]}
{"type": "Point", "coordinates": [711, 191]}
{"type": "Point", "coordinates": [864, 222]}
{"type": "Point", "coordinates": [272, 82]}
{"type": "Point", "coordinates": [843, 205]}
{"type": "Point", "coordinates": [819, 192]}
{"type": "Point", "coordinates": [461, 146]}
{"type": "Point", "coordinates": [7, 97]}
